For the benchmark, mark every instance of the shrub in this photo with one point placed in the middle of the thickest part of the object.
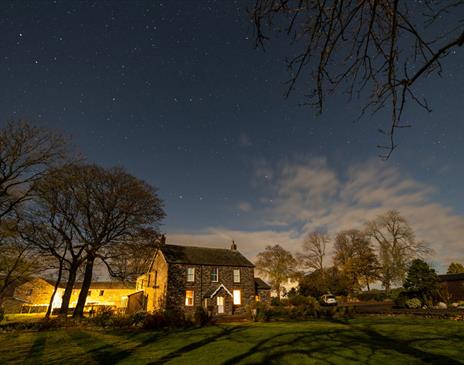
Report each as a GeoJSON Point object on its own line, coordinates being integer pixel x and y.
{"type": "Point", "coordinates": [401, 299]}
{"type": "Point", "coordinates": [373, 295]}
{"type": "Point", "coordinates": [103, 317]}
{"type": "Point", "coordinates": [138, 318]}
{"type": "Point", "coordinates": [2, 314]}
{"type": "Point", "coordinates": [154, 321]}
{"type": "Point", "coordinates": [201, 316]}
{"type": "Point", "coordinates": [413, 303]}
{"type": "Point", "coordinates": [297, 300]}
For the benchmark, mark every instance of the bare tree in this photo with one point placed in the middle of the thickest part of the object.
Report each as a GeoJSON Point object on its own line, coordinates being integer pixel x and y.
{"type": "Point", "coordinates": [26, 152]}
{"type": "Point", "coordinates": [105, 208]}
{"type": "Point", "coordinates": [277, 264]}
{"type": "Point", "coordinates": [17, 259]}
{"type": "Point", "coordinates": [375, 49]}
{"type": "Point", "coordinates": [129, 258]}
{"type": "Point", "coordinates": [314, 251]}
{"type": "Point", "coordinates": [397, 246]}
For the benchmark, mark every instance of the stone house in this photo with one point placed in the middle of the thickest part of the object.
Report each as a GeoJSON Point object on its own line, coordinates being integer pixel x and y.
{"type": "Point", "coordinates": [184, 277]}
{"type": "Point", "coordinates": [453, 284]}
{"type": "Point", "coordinates": [33, 295]}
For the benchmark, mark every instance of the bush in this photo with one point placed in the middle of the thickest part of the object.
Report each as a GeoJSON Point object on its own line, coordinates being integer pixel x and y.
{"type": "Point", "coordinates": [2, 314]}
{"type": "Point", "coordinates": [297, 300]}
{"type": "Point", "coordinates": [373, 295]}
{"type": "Point", "coordinates": [138, 318]}
{"type": "Point", "coordinates": [154, 321]}
{"type": "Point", "coordinates": [201, 316]}
{"type": "Point", "coordinates": [104, 317]}
{"type": "Point", "coordinates": [413, 303]}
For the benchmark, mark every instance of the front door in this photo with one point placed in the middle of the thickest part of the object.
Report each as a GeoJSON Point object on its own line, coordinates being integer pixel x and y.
{"type": "Point", "coordinates": [220, 305]}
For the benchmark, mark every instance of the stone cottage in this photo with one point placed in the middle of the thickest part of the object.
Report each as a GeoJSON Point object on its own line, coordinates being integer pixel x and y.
{"type": "Point", "coordinates": [184, 277]}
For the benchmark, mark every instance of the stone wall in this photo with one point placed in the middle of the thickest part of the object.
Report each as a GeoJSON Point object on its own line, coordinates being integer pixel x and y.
{"type": "Point", "coordinates": [178, 285]}
{"type": "Point", "coordinates": [156, 284]}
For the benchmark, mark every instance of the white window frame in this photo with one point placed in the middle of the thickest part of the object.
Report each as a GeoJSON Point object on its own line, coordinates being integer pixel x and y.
{"type": "Point", "coordinates": [216, 271]}
{"type": "Point", "coordinates": [237, 295]}
{"type": "Point", "coordinates": [236, 275]}
{"type": "Point", "coordinates": [190, 274]}
{"type": "Point", "coordinates": [187, 303]}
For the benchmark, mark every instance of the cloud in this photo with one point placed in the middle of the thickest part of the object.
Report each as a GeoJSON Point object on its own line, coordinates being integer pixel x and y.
{"type": "Point", "coordinates": [245, 207]}
{"type": "Point", "coordinates": [303, 195]}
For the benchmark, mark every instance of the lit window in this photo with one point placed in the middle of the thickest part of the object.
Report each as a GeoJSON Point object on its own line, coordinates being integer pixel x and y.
{"type": "Point", "coordinates": [191, 274]}
{"type": "Point", "coordinates": [214, 274]}
{"type": "Point", "coordinates": [102, 292]}
{"type": "Point", "coordinates": [89, 293]}
{"type": "Point", "coordinates": [237, 297]}
{"type": "Point", "coordinates": [237, 276]}
{"type": "Point", "coordinates": [257, 298]}
{"type": "Point", "coordinates": [189, 298]}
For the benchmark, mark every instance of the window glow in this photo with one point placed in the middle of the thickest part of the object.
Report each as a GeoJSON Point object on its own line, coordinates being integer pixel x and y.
{"type": "Point", "coordinates": [237, 297]}
{"type": "Point", "coordinates": [189, 298]}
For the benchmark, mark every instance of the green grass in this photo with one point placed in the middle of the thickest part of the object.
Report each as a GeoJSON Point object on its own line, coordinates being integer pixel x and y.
{"type": "Point", "coordinates": [368, 340]}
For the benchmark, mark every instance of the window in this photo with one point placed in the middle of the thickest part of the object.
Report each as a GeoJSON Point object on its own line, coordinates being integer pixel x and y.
{"type": "Point", "coordinates": [236, 276]}
{"type": "Point", "coordinates": [191, 274]}
{"type": "Point", "coordinates": [29, 292]}
{"type": "Point", "coordinates": [102, 292]}
{"type": "Point", "coordinates": [257, 298]}
{"type": "Point", "coordinates": [189, 298]}
{"type": "Point", "coordinates": [237, 297]}
{"type": "Point", "coordinates": [215, 274]}
{"type": "Point", "coordinates": [89, 293]}
{"type": "Point", "coordinates": [156, 279]}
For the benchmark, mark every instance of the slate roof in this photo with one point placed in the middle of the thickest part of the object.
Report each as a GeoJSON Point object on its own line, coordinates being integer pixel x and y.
{"type": "Point", "coordinates": [175, 254]}
{"type": "Point", "coordinates": [261, 284]}
{"type": "Point", "coordinates": [451, 277]}
{"type": "Point", "coordinates": [107, 285]}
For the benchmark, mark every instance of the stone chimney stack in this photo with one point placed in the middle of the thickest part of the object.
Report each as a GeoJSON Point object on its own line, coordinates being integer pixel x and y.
{"type": "Point", "coordinates": [233, 246]}
{"type": "Point", "coordinates": [163, 239]}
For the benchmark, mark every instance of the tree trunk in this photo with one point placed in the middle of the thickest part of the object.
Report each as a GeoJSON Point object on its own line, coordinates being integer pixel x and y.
{"type": "Point", "coordinates": [57, 284]}
{"type": "Point", "coordinates": [69, 288]}
{"type": "Point", "coordinates": [367, 282]}
{"type": "Point", "coordinates": [79, 311]}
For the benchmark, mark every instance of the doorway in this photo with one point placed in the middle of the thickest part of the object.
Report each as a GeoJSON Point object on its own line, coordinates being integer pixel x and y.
{"type": "Point", "coordinates": [220, 305]}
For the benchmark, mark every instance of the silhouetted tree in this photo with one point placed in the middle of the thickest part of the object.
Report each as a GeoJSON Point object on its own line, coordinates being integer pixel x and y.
{"type": "Point", "coordinates": [374, 49]}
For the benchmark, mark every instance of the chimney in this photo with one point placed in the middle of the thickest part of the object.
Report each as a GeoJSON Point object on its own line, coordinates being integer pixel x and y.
{"type": "Point", "coordinates": [163, 239]}
{"type": "Point", "coordinates": [233, 246]}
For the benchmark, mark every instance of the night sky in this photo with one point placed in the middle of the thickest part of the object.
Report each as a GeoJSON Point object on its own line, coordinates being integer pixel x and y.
{"type": "Point", "coordinates": [176, 93]}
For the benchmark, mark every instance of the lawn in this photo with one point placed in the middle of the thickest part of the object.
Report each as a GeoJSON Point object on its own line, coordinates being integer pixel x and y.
{"type": "Point", "coordinates": [368, 340]}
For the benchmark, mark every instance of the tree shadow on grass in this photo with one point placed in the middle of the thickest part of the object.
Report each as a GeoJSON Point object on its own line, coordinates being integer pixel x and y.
{"type": "Point", "coordinates": [37, 349]}
{"type": "Point", "coordinates": [225, 332]}
{"type": "Point", "coordinates": [344, 345]}
{"type": "Point", "coordinates": [100, 351]}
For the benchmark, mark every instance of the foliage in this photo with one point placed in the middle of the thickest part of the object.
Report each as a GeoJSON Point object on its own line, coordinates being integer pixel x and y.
{"type": "Point", "coordinates": [422, 281]}
{"type": "Point", "coordinates": [277, 264]}
{"type": "Point", "coordinates": [413, 303]}
{"type": "Point", "coordinates": [372, 295]}
{"type": "Point", "coordinates": [397, 246]}
{"type": "Point", "coordinates": [2, 314]}
{"type": "Point", "coordinates": [355, 257]}
{"type": "Point", "coordinates": [330, 280]}
{"type": "Point", "coordinates": [455, 268]}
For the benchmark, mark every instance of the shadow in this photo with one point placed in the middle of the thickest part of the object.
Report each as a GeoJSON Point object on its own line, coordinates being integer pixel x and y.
{"type": "Point", "coordinates": [226, 331]}
{"type": "Point", "coordinates": [37, 349]}
{"type": "Point", "coordinates": [100, 351]}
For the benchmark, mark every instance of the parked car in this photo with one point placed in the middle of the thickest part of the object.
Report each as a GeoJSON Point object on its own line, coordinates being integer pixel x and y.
{"type": "Point", "coordinates": [328, 299]}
